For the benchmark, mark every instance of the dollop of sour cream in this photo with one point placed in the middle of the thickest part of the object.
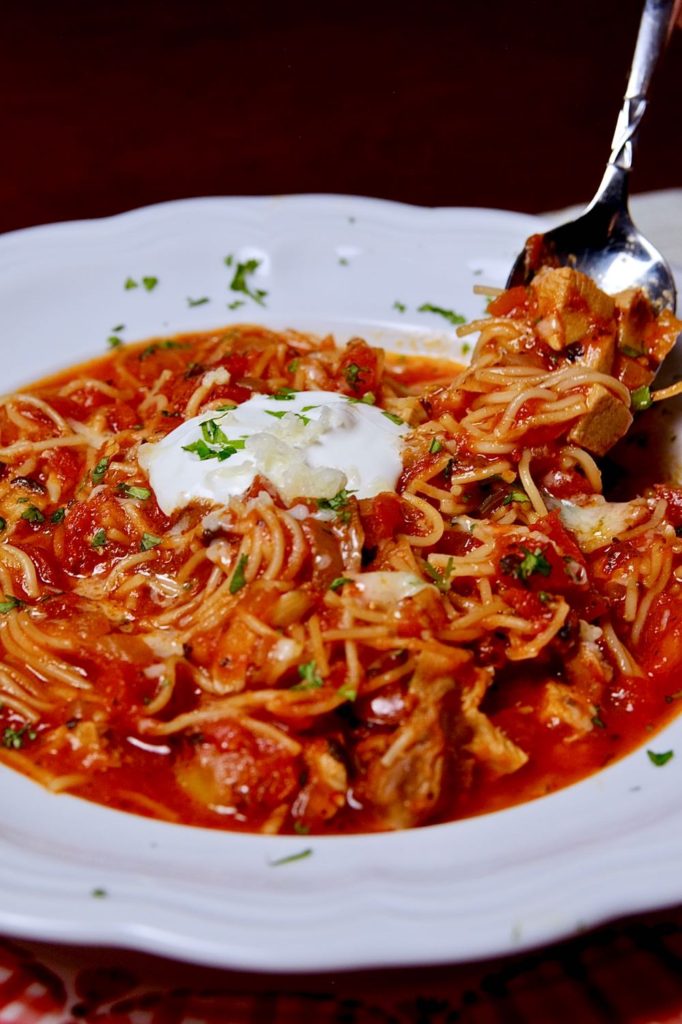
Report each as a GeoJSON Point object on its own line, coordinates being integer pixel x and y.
{"type": "Point", "coordinates": [308, 444]}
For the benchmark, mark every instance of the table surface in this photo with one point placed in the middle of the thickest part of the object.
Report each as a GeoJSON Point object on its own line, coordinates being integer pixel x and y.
{"type": "Point", "coordinates": [106, 107]}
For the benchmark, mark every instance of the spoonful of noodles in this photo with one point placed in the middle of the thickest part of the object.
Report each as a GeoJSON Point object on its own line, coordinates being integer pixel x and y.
{"type": "Point", "coordinates": [603, 242]}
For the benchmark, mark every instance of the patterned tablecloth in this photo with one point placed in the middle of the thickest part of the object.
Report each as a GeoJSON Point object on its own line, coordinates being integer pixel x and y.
{"type": "Point", "coordinates": [629, 972]}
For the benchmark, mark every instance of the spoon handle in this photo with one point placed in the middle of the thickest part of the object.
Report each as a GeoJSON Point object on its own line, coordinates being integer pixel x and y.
{"type": "Point", "coordinates": [654, 30]}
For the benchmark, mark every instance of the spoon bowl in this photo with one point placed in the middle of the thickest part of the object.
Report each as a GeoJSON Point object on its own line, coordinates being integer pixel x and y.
{"type": "Point", "coordinates": [603, 242]}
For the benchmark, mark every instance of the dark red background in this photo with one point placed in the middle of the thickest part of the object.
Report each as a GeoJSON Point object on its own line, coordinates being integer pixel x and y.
{"type": "Point", "coordinates": [106, 106]}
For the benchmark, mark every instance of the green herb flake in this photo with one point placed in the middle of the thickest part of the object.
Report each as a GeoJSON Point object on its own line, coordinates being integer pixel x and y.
{"type": "Point", "coordinates": [129, 283]}
{"type": "Point", "coordinates": [13, 739]}
{"type": "Point", "coordinates": [633, 353]}
{"type": "Point", "coordinates": [641, 398]}
{"type": "Point", "coordinates": [660, 759]}
{"type": "Point", "coordinates": [399, 422]}
{"type": "Point", "coordinates": [113, 341]}
{"type": "Point", "coordinates": [240, 282]}
{"type": "Point", "coordinates": [435, 446]}
{"type": "Point", "coordinates": [347, 692]}
{"type": "Point", "coordinates": [149, 541]}
{"type": "Point", "coordinates": [99, 471]}
{"type": "Point", "coordinates": [399, 306]}
{"type": "Point", "coordinates": [33, 515]}
{"type": "Point", "coordinates": [142, 493]}
{"type": "Point", "coordinates": [150, 283]}
{"type": "Point", "coordinates": [520, 497]}
{"type": "Point", "coordinates": [339, 582]}
{"type": "Point", "coordinates": [309, 676]}
{"type": "Point", "coordinates": [440, 577]}
{"type": "Point", "coordinates": [338, 504]}
{"type": "Point", "coordinates": [238, 578]}
{"type": "Point", "coordinates": [58, 515]}
{"type": "Point", "coordinates": [352, 373]}
{"type": "Point", "coordinates": [448, 314]}
{"type": "Point", "coordinates": [302, 855]}
{"type": "Point", "coordinates": [9, 603]}
{"type": "Point", "coordinates": [212, 432]}
{"type": "Point", "coordinates": [532, 562]}
{"type": "Point", "coordinates": [198, 302]}
{"type": "Point", "coordinates": [367, 399]}
{"type": "Point", "coordinates": [99, 538]}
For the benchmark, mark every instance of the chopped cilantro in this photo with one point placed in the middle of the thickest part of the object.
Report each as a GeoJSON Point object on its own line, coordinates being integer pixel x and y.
{"type": "Point", "coordinates": [150, 283]}
{"type": "Point", "coordinates": [149, 541]}
{"type": "Point", "coordinates": [634, 353]}
{"type": "Point", "coordinates": [155, 347]}
{"type": "Point", "coordinates": [238, 578]}
{"type": "Point", "coordinates": [302, 855]}
{"type": "Point", "coordinates": [130, 283]}
{"type": "Point", "coordinates": [367, 399]}
{"type": "Point", "coordinates": [33, 515]}
{"type": "Point", "coordinates": [198, 302]}
{"type": "Point", "coordinates": [660, 759]}
{"type": "Point", "coordinates": [309, 676]}
{"type": "Point", "coordinates": [99, 538]}
{"type": "Point", "coordinates": [520, 497]}
{"type": "Point", "coordinates": [449, 314]}
{"type": "Point", "coordinates": [347, 692]}
{"type": "Point", "coordinates": [58, 515]}
{"type": "Point", "coordinates": [113, 341]}
{"type": "Point", "coordinates": [224, 447]}
{"type": "Point", "coordinates": [339, 582]}
{"type": "Point", "coordinates": [532, 562]}
{"type": "Point", "coordinates": [99, 471]}
{"type": "Point", "coordinates": [440, 577]}
{"type": "Point", "coordinates": [135, 492]}
{"type": "Point", "coordinates": [212, 432]}
{"type": "Point", "coordinates": [338, 504]}
{"type": "Point", "coordinates": [641, 398]}
{"type": "Point", "coordinates": [435, 446]}
{"type": "Point", "coordinates": [239, 282]}
{"type": "Point", "coordinates": [9, 604]}
{"type": "Point", "coordinates": [13, 739]}
{"type": "Point", "coordinates": [392, 417]}
{"type": "Point", "coordinates": [400, 306]}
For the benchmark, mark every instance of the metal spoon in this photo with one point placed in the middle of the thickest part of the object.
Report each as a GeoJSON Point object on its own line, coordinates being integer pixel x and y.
{"type": "Point", "coordinates": [603, 242]}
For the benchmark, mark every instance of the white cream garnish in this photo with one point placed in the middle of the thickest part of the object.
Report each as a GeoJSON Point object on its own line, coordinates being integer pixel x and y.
{"type": "Point", "coordinates": [311, 445]}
